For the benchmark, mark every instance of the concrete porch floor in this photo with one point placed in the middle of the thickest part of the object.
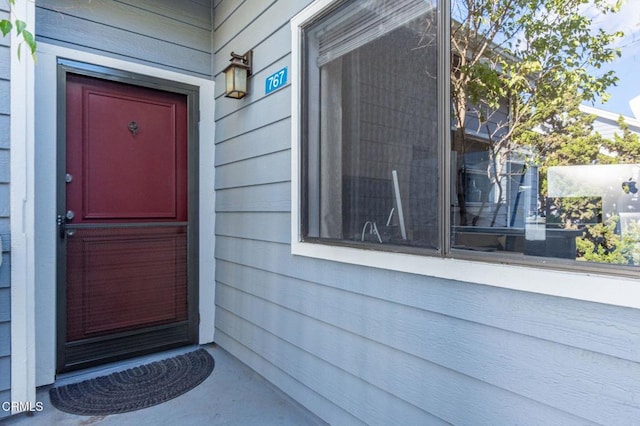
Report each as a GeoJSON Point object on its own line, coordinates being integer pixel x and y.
{"type": "Point", "coordinates": [232, 395]}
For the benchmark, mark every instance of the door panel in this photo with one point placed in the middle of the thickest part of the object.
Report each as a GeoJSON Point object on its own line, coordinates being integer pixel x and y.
{"type": "Point", "coordinates": [138, 175]}
{"type": "Point", "coordinates": [125, 237]}
{"type": "Point", "coordinates": [141, 160]}
{"type": "Point", "coordinates": [123, 279]}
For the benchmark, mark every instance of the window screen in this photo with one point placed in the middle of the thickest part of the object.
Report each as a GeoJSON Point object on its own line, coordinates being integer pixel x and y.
{"type": "Point", "coordinates": [371, 134]}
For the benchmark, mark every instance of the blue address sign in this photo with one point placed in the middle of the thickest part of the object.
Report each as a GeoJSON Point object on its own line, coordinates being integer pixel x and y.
{"type": "Point", "coordinates": [275, 81]}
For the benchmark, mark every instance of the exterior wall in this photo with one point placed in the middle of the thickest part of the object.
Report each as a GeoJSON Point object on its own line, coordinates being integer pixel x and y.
{"type": "Point", "coordinates": [5, 281]}
{"type": "Point", "coordinates": [365, 345]}
{"type": "Point", "coordinates": [174, 35]}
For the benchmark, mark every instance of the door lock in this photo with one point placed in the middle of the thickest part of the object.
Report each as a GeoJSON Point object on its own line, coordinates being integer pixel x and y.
{"type": "Point", "coordinates": [62, 220]}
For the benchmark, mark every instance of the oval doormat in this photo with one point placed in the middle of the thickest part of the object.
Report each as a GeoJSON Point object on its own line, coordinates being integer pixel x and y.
{"type": "Point", "coordinates": [135, 388]}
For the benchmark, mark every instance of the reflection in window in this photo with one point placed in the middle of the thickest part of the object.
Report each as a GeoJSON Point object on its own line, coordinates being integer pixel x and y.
{"type": "Point", "coordinates": [371, 135]}
{"type": "Point", "coordinates": [535, 168]}
{"type": "Point", "coordinates": [538, 164]}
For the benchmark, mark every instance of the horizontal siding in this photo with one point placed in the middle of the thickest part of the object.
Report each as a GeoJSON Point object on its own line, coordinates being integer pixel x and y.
{"type": "Point", "coordinates": [198, 13]}
{"type": "Point", "coordinates": [5, 106]}
{"type": "Point", "coordinates": [5, 396]}
{"type": "Point", "coordinates": [327, 379]}
{"type": "Point", "coordinates": [422, 337]}
{"type": "Point", "coordinates": [4, 9]}
{"type": "Point", "coordinates": [4, 130]}
{"type": "Point", "coordinates": [252, 226]}
{"type": "Point", "coordinates": [273, 372]}
{"type": "Point", "coordinates": [264, 112]}
{"type": "Point", "coordinates": [5, 66]}
{"type": "Point", "coordinates": [148, 19]}
{"type": "Point", "coordinates": [353, 366]}
{"type": "Point", "coordinates": [4, 166]}
{"type": "Point", "coordinates": [356, 344]}
{"type": "Point", "coordinates": [5, 304]}
{"type": "Point", "coordinates": [264, 198]}
{"type": "Point", "coordinates": [223, 10]}
{"type": "Point", "coordinates": [258, 142]}
{"type": "Point", "coordinates": [603, 329]}
{"type": "Point", "coordinates": [5, 270]}
{"type": "Point", "coordinates": [234, 18]}
{"type": "Point", "coordinates": [390, 309]}
{"type": "Point", "coordinates": [5, 233]}
{"type": "Point", "coordinates": [170, 35]}
{"type": "Point", "coordinates": [266, 169]}
{"type": "Point", "coordinates": [5, 336]}
{"type": "Point", "coordinates": [4, 202]}
{"type": "Point", "coordinates": [5, 378]}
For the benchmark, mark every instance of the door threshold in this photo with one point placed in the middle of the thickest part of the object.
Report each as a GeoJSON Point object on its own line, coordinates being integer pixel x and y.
{"type": "Point", "coordinates": [112, 367]}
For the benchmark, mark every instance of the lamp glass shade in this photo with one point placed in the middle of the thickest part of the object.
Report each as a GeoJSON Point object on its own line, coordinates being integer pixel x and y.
{"type": "Point", "coordinates": [236, 81]}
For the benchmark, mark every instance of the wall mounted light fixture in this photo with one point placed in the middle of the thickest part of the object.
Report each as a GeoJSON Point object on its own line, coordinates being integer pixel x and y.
{"type": "Point", "coordinates": [237, 74]}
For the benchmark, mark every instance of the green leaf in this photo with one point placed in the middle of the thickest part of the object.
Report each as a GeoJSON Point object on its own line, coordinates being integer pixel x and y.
{"type": "Point", "coordinates": [30, 40]}
{"type": "Point", "coordinates": [5, 27]}
{"type": "Point", "coordinates": [20, 26]}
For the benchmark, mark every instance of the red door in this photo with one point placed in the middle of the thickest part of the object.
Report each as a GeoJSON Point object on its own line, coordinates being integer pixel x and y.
{"type": "Point", "coordinates": [125, 230]}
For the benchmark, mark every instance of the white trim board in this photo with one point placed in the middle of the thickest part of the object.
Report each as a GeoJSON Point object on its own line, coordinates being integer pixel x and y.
{"type": "Point", "coordinates": [45, 178]}
{"type": "Point", "coordinates": [601, 288]}
{"type": "Point", "coordinates": [22, 215]}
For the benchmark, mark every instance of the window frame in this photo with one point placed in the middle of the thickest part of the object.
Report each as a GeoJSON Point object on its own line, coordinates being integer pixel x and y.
{"type": "Point", "coordinates": [614, 285]}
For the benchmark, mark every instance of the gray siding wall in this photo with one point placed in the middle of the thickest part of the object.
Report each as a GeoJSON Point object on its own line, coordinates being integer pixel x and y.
{"type": "Point", "coordinates": [361, 345]}
{"type": "Point", "coordinates": [5, 281]}
{"type": "Point", "coordinates": [168, 34]}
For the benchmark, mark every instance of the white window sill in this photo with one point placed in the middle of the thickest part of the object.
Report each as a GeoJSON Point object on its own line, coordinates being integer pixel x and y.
{"type": "Point", "coordinates": [612, 290]}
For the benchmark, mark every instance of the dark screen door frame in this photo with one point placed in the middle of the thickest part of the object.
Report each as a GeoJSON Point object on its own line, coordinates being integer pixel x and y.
{"type": "Point", "coordinates": [137, 344]}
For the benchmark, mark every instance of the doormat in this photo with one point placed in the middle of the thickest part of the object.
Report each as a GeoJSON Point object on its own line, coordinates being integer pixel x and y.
{"type": "Point", "coordinates": [135, 388]}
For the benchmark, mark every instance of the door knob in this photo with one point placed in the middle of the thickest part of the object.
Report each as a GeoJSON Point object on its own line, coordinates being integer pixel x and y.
{"type": "Point", "coordinates": [62, 223]}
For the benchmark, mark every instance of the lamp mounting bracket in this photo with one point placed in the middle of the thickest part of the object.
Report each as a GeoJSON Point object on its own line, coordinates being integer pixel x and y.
{"type": "Point", "coordinates": [245, 59]}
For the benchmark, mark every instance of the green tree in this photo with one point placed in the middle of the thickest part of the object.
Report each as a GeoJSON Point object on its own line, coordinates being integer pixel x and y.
{"type": "Point", "coordinates": [526, 56]}
{"type": "Point", "coordinates": [625, 145]}
{"type": "Point", "coordinates": [602, 243]}
{"type": "Point", "coordinates": [571, 140]}
{"type": "Point", "coordinates": [7, 25]}
{"type": "Point", "coordinates": [568, 139]}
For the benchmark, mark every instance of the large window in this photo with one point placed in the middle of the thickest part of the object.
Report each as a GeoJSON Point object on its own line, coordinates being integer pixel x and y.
{"type": "Point", "coordinates": [513, 155]}
{"type": "Point", "coordinates": [536, 170]}
{"type": "Point", "coordinates": [371, 130]}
